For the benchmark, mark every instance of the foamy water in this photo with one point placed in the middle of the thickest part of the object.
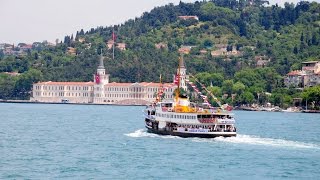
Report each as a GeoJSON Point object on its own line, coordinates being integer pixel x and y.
{"type": "Point", "coordinates": [239, 139]}
{"type": "Point", "coordinates": [255, 140]}
{"type": "Point", "coordinates": [143, 133]}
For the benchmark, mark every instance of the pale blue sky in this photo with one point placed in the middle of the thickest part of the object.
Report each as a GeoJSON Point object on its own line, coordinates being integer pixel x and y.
{"type": "Point", "coordinates": [37, 20]}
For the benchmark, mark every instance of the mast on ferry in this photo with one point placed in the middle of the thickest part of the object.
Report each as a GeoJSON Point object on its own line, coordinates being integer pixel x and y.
{"type": "Point", "coordinates": [178, 79]}
{"type": "Point", "coordinates": [160, 90]}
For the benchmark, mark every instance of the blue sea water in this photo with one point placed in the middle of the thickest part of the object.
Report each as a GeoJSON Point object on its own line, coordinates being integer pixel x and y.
{"type": "Point", "coordinates": [63, 141]}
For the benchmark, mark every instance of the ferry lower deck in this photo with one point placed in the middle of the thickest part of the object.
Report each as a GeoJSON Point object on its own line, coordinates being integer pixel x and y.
{"type": "Point", "coordinates": [191, 134]}
{"type": "Point", "coordinates": [190, 130]}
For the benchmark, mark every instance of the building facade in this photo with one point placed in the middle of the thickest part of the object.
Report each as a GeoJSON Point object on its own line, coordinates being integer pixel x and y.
{"type": "Point", "coordinates": [101, 91]}
{"type": "Point", "coordinates": [307, 77]}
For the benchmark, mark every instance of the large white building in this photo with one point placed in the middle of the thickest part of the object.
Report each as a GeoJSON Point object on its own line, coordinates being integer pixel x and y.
{"type": "Point", "coordinates": [101, 91]}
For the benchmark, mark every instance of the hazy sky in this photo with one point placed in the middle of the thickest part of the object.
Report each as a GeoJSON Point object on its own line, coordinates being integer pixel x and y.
{"type": "Point", "coordinates": [37, 20]}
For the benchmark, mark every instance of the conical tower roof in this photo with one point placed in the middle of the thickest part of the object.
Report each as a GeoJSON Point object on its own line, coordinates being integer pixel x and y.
{"type": "Point", "coordinates": [101, 65]}
{"type": "Point", "coordinates": [181, 62]}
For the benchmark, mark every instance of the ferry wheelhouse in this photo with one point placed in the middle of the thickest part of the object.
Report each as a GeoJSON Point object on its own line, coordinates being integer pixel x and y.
{"type": "Point", "coordinates": [180, 117]}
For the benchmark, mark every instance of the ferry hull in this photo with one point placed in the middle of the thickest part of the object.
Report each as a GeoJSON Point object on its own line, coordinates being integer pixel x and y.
{"type": "Point", "coordinates": [187, 135]}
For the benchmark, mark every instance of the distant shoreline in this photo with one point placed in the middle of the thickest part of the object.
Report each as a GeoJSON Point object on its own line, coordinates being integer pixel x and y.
{"type": "Point", "coordinates": [34, 102]}
{"type": "Point", "coordinates": [257, 109]}
{"type": "Point", "coordinates": [310, 111]}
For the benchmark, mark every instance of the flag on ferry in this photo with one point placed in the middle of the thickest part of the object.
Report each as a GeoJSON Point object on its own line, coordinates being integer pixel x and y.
{"type": "Point", "coordinates": [97, 77]}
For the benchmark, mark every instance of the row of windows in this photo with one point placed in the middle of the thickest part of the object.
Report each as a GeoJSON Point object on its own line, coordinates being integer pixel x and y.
{"type": "Point", "coordinates": [175, 116]}
{"type": "Point", "coordinates": [62, 94]}
{"type": "Point", "coordinates": [154, 96]}
{"type": "Point", "coordinates": [85, 88]}
{"type": "Point", "coordinates": [135, 89]}
{"type": "Point", "coordinates": [126, 95]}
{"type": "Point", "coordinates": [71, 94]}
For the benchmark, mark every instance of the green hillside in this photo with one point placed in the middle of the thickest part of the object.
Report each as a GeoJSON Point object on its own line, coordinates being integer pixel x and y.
{"type": "Point", "coordinates": [242, 48]}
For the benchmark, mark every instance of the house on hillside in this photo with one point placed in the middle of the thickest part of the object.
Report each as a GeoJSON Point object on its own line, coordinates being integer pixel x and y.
{"type": "Point", "coordinates": [121, 46]}
{"type": "Point", "coordinates": [82, 39]}
{"type": "Point", "coordinates": [219, 52]}
{"type": "Point", "coordinates": [203, 51]}
{"type": "Point", "coordinates": [262, 61]}
{"type": "Point", "coordinates": [110, 44]}
{"type": "Point", "coordinates": [161, 45]}
{"type": "Point", "coordinates": [71, 51]}
{"type": "Point", "coordinates": [9, 50]}
{"type": "Point", "coordinates": [12, 73]}
{"type": "Point", "coordinates": [188, 17]}
{"type": "Point", "coordinates": [25, 47]}
{"type": "Point", "coordinates": [51, 44]}
{"type": "Point", "coordinates": [185, 49]}
{"type": "Point", "coordinates": [307, 77]}
{"type": "Point", "coordinates": [223, 51]}
{"type": "Point", "coordinates": [2, 45]}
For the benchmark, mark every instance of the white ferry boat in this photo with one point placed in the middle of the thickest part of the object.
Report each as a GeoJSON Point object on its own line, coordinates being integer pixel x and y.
{"type": "Point", "coordinates": [180, 117]}
{"type": "Point", "coordinates": [183, 118]}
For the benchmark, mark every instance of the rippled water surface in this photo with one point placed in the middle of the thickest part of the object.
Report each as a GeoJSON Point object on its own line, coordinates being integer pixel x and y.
{"type": "Point", "coordinates": [40, 141]}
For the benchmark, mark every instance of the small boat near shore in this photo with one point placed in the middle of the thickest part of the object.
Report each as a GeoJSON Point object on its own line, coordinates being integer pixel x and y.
{"type": "Point", "coordinates": [292, 109]}
{"type": "Point", "coordinates": [310, 111]}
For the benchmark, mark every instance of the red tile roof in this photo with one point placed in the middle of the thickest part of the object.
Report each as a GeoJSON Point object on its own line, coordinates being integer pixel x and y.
{"type": "Point", "coordinates": [118, 84]}
{"type": "Point", "coordinates": [294, 73]}
{"type": "Point", "coordinates": [113, 84]}
{"type": "Point", "coordinates": [66, 83]}
{"type": "Point", "coordinates": [145, 84]}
